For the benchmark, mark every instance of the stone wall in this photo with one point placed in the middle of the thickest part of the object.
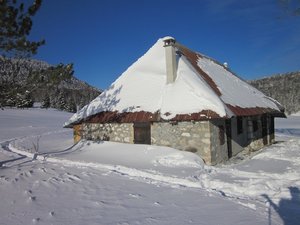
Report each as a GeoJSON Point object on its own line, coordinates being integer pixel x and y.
{"type": "Point", "coordinates": [118, 132]}
{"type": "Point", "coordinates": [187, 136]}
{"type": "Point", "coordinates": [208, 139]}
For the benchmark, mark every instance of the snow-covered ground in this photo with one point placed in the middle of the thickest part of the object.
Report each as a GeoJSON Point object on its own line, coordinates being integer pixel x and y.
{"type": "Point", "coordinates": [113, 183]}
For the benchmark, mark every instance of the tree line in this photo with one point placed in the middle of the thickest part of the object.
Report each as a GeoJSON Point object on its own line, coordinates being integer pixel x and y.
{"type": "Point", "coordinates": [24, 81]}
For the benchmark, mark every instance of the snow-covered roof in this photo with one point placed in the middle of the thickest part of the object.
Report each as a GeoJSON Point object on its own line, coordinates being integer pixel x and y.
{"type": "Point", "coordinates": [203, 89]}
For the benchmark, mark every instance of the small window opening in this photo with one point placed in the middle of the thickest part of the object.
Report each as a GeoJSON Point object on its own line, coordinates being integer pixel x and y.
{"type": "Point", "coordinates": [239, 125]}
{"type": "Point", "coordinates": [255, 125]}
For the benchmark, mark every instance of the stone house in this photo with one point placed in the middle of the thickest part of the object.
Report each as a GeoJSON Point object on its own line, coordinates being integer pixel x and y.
{"type": "Point", "coordinates": [173, 96]}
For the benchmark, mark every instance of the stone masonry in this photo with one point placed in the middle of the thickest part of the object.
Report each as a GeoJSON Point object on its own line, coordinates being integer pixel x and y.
{"type": "Point", "coordinates": [208, 139]}
{"type": "Point", "coordinates": [187, 136]}
{"type": "Point", "coordinates": [118, 132]}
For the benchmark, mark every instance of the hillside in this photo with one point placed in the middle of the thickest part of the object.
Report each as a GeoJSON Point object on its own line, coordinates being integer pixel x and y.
{"type": "Point", "coordinates": [58, 86]}
{"type": "Point", "coordinates": [38, 81]}
{"type": "Point", "coordinates": [285, 88]}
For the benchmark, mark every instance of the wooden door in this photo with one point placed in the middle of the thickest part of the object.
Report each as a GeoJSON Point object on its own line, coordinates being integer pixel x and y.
{"type": "Point", "coordinates": [77, 131]}
{"type": "Point", "coordinates": [142, 133]}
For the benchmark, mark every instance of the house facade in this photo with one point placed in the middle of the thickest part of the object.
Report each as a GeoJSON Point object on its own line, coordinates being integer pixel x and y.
{"type": "Point", "coordinates": [173, 96]}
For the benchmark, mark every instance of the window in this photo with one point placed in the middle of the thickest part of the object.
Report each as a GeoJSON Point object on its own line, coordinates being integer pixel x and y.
{"type": "Point", "coordinates": [255, 125]}
{"type": "Point", "coordinates": [239, 121]}
{"type": "Point", "coordinates": [221, 135]}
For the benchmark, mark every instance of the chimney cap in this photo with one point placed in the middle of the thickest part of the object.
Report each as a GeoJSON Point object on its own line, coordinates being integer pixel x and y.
{"type": "Point", "coordinates": [168, 40]}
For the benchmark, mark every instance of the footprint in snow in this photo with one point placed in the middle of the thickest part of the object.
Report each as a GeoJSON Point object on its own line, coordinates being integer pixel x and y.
{"type": "Point", "coordinates": [103, 202]}
{"type": "Point", "coordinates": [135, 195]}
{"type": "Point", "coordinates": [24, 174]}
{"type": "Point", "coordinates": [28, 192]}
{"type": "Point", "coordinates": [55, 180]}
{"type": "Point", "coordinates": [32, 198]}
{"type": "Point", "coordinates": [4, 178]}
{"type": "Point", "coordinates": [96, 204]}
{"type": "Point", "coordinates": [73, 177]}
{"type": "Point", "coordinates": [36, 220]}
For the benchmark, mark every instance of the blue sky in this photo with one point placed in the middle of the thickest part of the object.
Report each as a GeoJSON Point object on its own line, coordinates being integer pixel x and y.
{"type": "Point", "coordinates": [104, 37]}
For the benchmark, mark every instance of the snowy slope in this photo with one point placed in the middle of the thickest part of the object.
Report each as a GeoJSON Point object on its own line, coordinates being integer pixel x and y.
{"type": "Point", "coordinates": [143, 87]}
{"type": "Point", "coordinates": [112, 183]}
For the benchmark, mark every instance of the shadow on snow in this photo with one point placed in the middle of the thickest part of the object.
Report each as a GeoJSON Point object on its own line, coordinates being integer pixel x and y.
{"type": "Point", "coordinates": [287, 209]}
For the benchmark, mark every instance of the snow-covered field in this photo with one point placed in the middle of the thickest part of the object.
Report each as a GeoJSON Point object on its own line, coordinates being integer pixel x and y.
{"type": "Point", "coordinates": [113, 183]}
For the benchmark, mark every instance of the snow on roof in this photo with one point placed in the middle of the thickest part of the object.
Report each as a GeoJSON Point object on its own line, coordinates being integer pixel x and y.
{"type": "Point", "coordinates": [234, 91]}
{"type": "Point", "coordinates": [201, 85]}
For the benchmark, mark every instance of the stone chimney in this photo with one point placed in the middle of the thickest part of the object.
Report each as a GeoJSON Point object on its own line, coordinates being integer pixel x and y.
{"type": "Point", "coordinates": [169, 44]}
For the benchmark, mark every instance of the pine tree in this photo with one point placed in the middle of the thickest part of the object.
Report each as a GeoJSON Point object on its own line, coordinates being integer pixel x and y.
{"type": "Point", "coordinates": [71, 106]}
{"type": "Point", "coordinates": [81, 104]}
{"type": "Point", "coordinates": [15, 27]}
{"type": "Point", "coordinates": [46, 102]}
{"type": "Point", "coordinates": [23, 100]}
{"type": "Point", "coordinates": [19, 100]}
{"type": "Point", "coordinates": [28, 102]}
{"type": "Point", "coordinates": [56, 74]}
{"type": "Point", "coordinates": [61, 102]}
{"type": "Point", "coordinates": [55, 93]}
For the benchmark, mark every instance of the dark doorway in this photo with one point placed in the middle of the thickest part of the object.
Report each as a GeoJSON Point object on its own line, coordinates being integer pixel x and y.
{"type": "Point", "coordinates": [142, 133]}
{"type": "Point", "coordinates": [271, 130]}
{"type": "Point", "coordinates": [228, 137]}
{"type": "Point", "coordinates": [264, 130]}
